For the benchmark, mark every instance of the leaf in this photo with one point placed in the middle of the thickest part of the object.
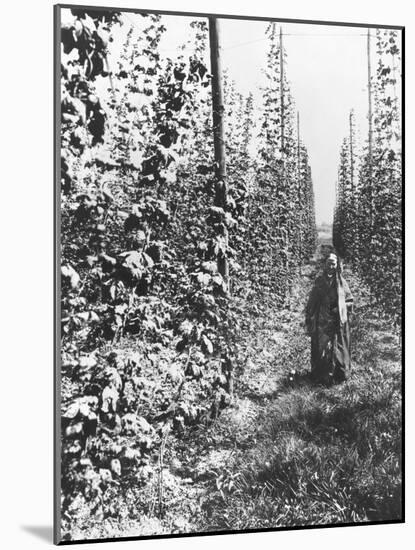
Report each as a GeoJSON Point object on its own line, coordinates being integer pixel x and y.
{"type": "Point", "coordinates": [72, 410]}
{"type": "Point", "coordinates": [132, 261]}
{"type": "Point", "coordinates": [129, 423]}
{"type": "Point", "coordinates": [113, 377]}
{"type": "Point", "coordinates": [75, 448]}
{"type": "Point", "coordinates": [218, 280]}
{"type": "Point", "coordinates": [109, 399]}
{"type": "Point", "coordinates": [175, 373]}
{"type": "Point", "coordinates": [69, 274]}
{"type": "Point", "coordinates": [203, 278]}
{"type": "Point", "coordinates": [116, 466]}
{"type": "Point", "coordinates": [221, 379]}
{"type": "Point", "coordinates": [83, 315]}
{"type": "Point", "coordinates": [84, 409]}
{"type": "Point", "coordinates": [140, 236]}
{"type": "Point", "coordinates": [85, 462]}
{"type": "Point", "coordinates": [113, 290]}
{"type": "Point", "coordinates": [210, 266]}
{"type": "Point", "coordinates": [120, 309]}
{"type": "Point", "coordinates": [134, 359]}
{"type": "Point", "coordinates": [108, 261]}
{"type": "Point", "coordinates": [93, 317]}
{"type": "Point", "coordinates": [74, 430]}
{"type": "Point", "coordinates": [186, 327]}
{"type": "Point", "coordinates": [91, 260]}
{"type": "Point", "coordinates": [195, 369]}
{"type": "Point", "coordinates": [105, 475]}
{"type": "Point", "coordinates": [148, 260]}
{"type": "Point", "coordinates": [144, 425]}
{"type": "Point", "coordinates": [208, 344]}
{"type": "Point", "coordinates": [131, 454]}
{"type": "Point", "coordinates": [87, 361]}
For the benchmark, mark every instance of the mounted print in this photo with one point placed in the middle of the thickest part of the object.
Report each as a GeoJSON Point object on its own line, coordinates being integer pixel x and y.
{"type": "Point", "coordinates": [228, 274]}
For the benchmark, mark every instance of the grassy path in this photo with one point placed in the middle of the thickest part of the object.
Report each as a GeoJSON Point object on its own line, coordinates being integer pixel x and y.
{"type": "Point", "coordinates": [288, 452]}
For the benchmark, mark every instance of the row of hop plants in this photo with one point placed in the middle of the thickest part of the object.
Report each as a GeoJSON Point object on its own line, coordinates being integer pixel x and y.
{"type": "Point", "coordinates": [367, 229]}
{"type": "Point", "coordinates": [280, 228]}
{"type": "Point", "coordinates": [149, 331]}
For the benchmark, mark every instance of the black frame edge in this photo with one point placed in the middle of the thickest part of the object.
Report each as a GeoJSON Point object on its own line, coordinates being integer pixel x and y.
{"type": "Point", "coordinates": [228, 16]}
{"type": "Point", "coordinates": [56, 275]}
{"type": "Point", "coordinates": [403, 386]}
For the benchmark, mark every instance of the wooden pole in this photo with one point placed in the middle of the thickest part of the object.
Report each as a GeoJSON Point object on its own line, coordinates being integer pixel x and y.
{"type": "Point", "coordinates": [351, 154]}
{"type": "Point", "coordinates": [221, 191]}
{"type": "Point", "coordinates": [218, 110]}
{"type": "Point", "coordinates": [352, 220]}
{"type": "Point", "coordinates": [370, 138]}
{"type": "Point", "coordinates": [282, 96]}
{"type": "Point", "coordinates": [300, 205]}
{"type": "Point", "coordinates": [298, 145]}
{"type": "Point", "coordinates": [282, 106]}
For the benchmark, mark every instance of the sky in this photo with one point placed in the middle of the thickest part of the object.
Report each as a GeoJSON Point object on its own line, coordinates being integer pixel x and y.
{"type": "Point", "coordinates": [327, 70]}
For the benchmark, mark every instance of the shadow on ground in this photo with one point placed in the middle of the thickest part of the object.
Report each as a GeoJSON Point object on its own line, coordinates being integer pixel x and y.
{"type": "Point", "coordinates": [43, 532]}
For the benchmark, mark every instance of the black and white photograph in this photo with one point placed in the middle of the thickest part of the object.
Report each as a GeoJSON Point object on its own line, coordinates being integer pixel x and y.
{"type": "Point", "coordinates": [229, 289]}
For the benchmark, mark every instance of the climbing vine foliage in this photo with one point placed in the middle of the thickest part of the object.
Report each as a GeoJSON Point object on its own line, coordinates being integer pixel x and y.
{"type": "Point", "coordinates": [368, 214]}
{"type": "Point", "coordinates": [149, 331]}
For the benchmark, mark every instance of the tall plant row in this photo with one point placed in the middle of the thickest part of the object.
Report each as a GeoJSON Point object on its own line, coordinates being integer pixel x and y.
{"type": "Point", "coordinates": [149, 329]}
{"type": "Point", "coordinates": [367, 228]}
{"type": "Point", "coordinates": [281, 218]}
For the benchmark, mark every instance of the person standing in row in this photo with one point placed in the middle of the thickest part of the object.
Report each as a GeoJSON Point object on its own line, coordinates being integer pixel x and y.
{"type": "Point", "coordinates": [328, 323]}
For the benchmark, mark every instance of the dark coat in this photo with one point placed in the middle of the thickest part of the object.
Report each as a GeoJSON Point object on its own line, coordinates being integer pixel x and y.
{"type": "Point", "coordinates": [330, 337]}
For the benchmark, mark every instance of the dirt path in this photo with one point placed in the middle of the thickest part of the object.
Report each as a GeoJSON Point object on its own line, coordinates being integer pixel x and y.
{"type": "Point", "coordinates": [288, 452]}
